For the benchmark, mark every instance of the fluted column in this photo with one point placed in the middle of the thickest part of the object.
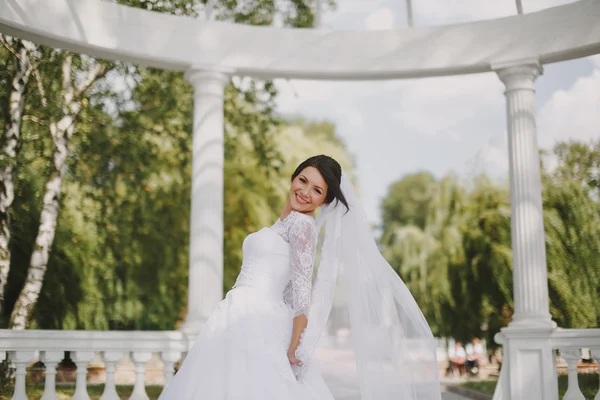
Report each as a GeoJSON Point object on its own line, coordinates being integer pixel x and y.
{"type": "Point", "coordinates": [529, 367]}
{"type": "Point", "coordinates": [528, 246]}
{"type": "Point", "coordinates": [205, 282]}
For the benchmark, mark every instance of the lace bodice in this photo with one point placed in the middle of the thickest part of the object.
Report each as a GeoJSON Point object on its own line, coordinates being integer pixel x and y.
{"type": "Point", "coordinates": [280, 260]}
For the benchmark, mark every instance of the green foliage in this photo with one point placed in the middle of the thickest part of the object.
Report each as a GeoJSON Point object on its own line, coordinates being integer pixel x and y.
{"type": "Point", "coordinates": [572, 223]}
{"type": "Point", "coordinates": [291, 13]}
{"type": "Point", "coordinates": [451, 243]}
{"type": "Point", "coordinates": [408, 200]}
{"type": "Point", "coordinates": [120, 254]}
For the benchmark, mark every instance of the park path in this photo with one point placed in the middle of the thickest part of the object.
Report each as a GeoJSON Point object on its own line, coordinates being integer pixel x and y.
{"type": "Point", "coordinates": [341, 379]}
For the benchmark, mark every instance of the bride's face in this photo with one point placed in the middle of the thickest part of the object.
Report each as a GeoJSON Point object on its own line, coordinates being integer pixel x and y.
{"type": "Point", "coordinates": [308, 190]}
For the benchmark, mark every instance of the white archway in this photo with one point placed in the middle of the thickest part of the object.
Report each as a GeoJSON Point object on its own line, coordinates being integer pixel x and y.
{"type": "Point", "coordinates": [210, 52]}
{"type": "Point", "coordinates": [107, 30]}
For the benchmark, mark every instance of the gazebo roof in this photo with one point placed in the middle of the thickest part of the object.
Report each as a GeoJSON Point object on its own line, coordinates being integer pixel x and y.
{"type": "Point", "coordinates": [113, 31]}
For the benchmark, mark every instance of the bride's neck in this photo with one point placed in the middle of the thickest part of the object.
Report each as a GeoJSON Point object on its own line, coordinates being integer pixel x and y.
{"type": "Point", "coordinates": [287, 209]}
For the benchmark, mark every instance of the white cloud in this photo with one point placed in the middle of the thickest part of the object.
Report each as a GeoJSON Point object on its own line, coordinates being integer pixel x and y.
{"type": "Point", "coordinates": [335, 101]}
{"type": "Point", "coordinates": [348, 13]}
{"type": "Point", "coordinates": [491, 159]}
{"type": "Point", "coordinates": [380, 19]}
{"type": "Point", "coordinates": [439, 124]}
{"type": "Point", "coordinates": [572, 113]}
{"type": "Point", "coordinates": [441, 106]}
{"type": "Point", "coordinates": [357, 6]}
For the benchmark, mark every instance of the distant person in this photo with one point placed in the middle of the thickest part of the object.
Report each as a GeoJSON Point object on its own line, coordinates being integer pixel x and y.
{"type": "Point", "coordinates": [457, 357]}
{"type": "Point", "coordinates": [475, 354]}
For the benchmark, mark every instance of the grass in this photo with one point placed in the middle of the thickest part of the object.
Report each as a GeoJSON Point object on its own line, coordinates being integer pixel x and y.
{"type": "Point", "coordinates": [34, 392]}
{"type": "Point", "coordinates": [587, 382]}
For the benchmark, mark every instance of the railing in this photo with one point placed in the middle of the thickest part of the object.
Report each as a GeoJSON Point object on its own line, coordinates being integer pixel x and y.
{"type": "Point", "coordinates": [25, 347]}
{"type": "Point", "coordinates": [570, 347]}
{"type": "Point", "coordinates": [575, 345]}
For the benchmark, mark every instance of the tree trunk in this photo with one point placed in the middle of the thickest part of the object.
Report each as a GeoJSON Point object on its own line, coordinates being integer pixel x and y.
{"type": "Point", "coordinates": [10, 144]}
{"type": "Point", "coordinates": [61, 133]}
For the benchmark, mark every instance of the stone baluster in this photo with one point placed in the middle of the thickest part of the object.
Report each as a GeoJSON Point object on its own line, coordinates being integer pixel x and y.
{"type": "Point", "coordinates": [110, 358]}
{"type": "Point", "coordinates": [81, 359]}
{"type": "Point", "coordinates": [140, 358]}
{"type": "Point", "coordinates": [572, 357]}
{"type": "Point", "coordinates": [50, 360]}
{"type": "Point", "coordinates": [21, 359]}
{"type": "Point", "coordinates": [596, 356]}
{"type": "Point", "coordinates": [169, 358]}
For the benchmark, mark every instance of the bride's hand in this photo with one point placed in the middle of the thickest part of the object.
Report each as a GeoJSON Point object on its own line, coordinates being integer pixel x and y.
{"type": "Point", "coordinates": [293, 359]}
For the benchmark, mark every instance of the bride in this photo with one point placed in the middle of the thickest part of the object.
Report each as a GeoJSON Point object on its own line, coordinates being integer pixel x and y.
{"type": "Point", "coordinates": [259, 342]}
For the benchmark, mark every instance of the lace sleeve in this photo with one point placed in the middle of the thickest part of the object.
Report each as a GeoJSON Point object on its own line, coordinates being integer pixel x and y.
{"type": "Point", "coordinates": [303, 243]}
{"type": "Point", "coordinates": [288, 296]}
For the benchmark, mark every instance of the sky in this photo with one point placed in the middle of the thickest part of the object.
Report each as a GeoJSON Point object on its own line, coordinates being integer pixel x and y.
{"type": "Point", "coordinates": [439, 124]}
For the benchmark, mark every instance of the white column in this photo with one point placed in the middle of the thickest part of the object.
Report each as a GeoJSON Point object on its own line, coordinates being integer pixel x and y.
{"type": "Point", "coordinates": [205, 286]}
{"type": "Point", "coordinates": [529, 368]}
{"type": "Point", "coordinates": [530, 278]}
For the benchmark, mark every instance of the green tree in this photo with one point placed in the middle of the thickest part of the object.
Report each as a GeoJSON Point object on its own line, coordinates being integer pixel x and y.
{"type": "Point", "coordinates": [407, 201]}
{"type": "Point", "coordinates": [572, 224]}
{"type": "Point", "coordinates": [459, 264]}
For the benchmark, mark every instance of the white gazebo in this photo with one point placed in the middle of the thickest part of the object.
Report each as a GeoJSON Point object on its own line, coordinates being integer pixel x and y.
{"type": "Point", "coordinates": [516, 48]}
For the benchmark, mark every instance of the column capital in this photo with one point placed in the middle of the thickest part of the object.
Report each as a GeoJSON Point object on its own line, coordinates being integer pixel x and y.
{"type": "Point", "coordinates": [519, 74]}
{"type": "Point", "coordinates": [204, 78]}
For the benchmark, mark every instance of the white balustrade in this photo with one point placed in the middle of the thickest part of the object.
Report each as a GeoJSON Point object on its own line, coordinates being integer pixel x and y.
{"type": "Point", "coordinates": [83, 346]}
{"type": "Point", "coordinates": [572, 344]}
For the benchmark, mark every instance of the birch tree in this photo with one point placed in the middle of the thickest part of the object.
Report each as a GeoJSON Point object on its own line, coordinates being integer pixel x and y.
{"type": "Point", "coordinates": [10, 145]}
{"type": "Point", "coordinates": [74, 89]}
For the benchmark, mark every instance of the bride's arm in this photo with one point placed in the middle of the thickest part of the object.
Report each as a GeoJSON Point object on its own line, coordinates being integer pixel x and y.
{"type": "Point", "coordinates": [300, 323]}
{"type": "Point", "coordinates": [303, 243]}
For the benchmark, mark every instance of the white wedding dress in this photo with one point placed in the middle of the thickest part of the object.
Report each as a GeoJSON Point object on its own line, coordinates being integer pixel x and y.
{"type": "Point", "coordinates": [241, 352]}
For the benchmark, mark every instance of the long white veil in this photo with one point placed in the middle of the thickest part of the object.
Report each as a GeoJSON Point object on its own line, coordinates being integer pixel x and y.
{"type": "Point", "coordinates": [394, 349]}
